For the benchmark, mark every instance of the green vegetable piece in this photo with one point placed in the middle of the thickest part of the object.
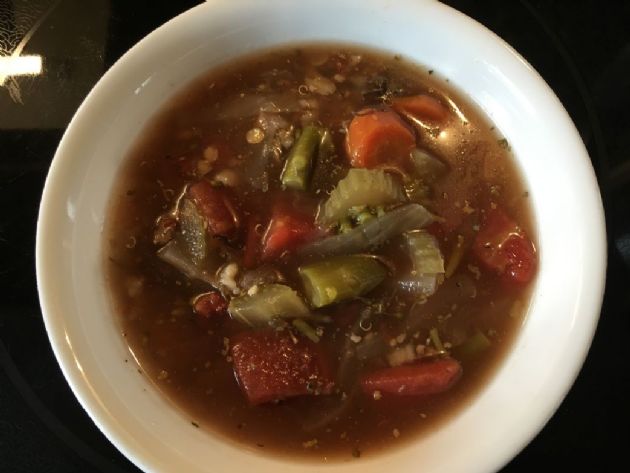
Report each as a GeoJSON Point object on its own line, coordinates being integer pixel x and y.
{"type": "Point", "coordinates": [435, 339]}
{"type": "Point", "coordinates": [427, 166]}
{"type": "Point", "coordinates": [476, 344]}
{"type": "Point", "coordinates": [191, 232]}
{"type": "Point", "coordinates": [341, 278]}
{"type": "Point", "coordinates": [272, 300]}
{"type": "Point", "coordinates": [326, 146]}
{"type": "Point", "coordinates": [298, 166]}
{"type": "Point", "coordinates": [360, 187]}
{"type": "Point", "coordinates": [305, 329]}
{"type": "Point", "coordinates": [345, 226]}
{"type": "Point", "coordinates": [424, 252]}
{"type": "Point", "coordinates": [364, 217]}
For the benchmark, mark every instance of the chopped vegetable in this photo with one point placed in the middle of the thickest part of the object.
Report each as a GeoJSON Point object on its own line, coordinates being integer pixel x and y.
{"type": "Point", "coordinates": [286, 232]}
{"type": "Point", "coordinates": [210, 305]}
{"type": "Point", "coordinates": [298, 166]}
{"type": "Point", "coordinates": [360, 187]}
{"type": "Point", "coordinates": [418, 379]}
{"type": "Point", "coordinates": [379, 137]}
{"type": "Point", "coordinates": [474, 345]}
{"type": "Point", "coordinates": [424, 284]}
{"type": "Point", "coordinates": [425, 253]}
{"type": "Point", "coordinates": [503, 247]}
{"type": "Point", "coordinates": [173, 254]}
{"type": "Point", "coordinates": [306, 330]}
{"type": "Point", "coordinates": [165, 227]}
{"type": "Point", "coordinates": [271, 366]}
{"type": "Point", "coordinates": [435, 339]}
{"type": "Point", "coordinates": [192, 233]}
{"type": "Point", "coordinates": [426, 165]}
{"type": "Point", "coordinates": [421, 107]}
{"type": "Point", "coordinates": [456, 256]}
{"type": "Point", "coordinates": [214, 206]}
{"type": "Point", "coordinates": [261, 276]}
{"type": "Point", "coordinates": [373, 233]}
{"type": "Point", "coordinates": [341, 278]}
{"type": "Point", "coordinates": [271, 301]}
{"type": "Point", "coordinates": [402, 355]}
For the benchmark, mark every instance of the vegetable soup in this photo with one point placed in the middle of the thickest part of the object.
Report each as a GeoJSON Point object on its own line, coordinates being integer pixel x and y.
{"type": "Point", "coordinates": [319, 251]}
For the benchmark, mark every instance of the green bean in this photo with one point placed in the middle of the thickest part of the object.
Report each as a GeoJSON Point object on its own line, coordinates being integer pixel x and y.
{"type": "Point", "coordinates": [305, 329]}
{"type": "Point", "coordinates": [297, 168]}
{"type": "Point", "coordinates": [341, 278]}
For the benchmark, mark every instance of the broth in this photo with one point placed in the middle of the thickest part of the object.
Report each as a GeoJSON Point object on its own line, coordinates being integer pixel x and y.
{"type": "Point", "coordinates": [234, 128]}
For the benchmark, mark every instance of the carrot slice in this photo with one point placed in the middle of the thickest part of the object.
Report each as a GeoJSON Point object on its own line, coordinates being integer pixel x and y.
{"type": "Point", "coordinates": [418, 379]}
{"type": "Point", "coordinates": [379, 137]}
{"type": "Point", "coordinates": [421, 107]}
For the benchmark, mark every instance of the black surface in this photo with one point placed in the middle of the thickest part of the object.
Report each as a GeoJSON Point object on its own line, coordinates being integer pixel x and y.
{"type": "Point", "coordinates": [582, 49]}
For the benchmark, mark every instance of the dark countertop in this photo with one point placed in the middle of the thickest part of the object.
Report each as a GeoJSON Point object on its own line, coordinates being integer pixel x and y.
{"type": "Point", "coordinates": [581, 48]}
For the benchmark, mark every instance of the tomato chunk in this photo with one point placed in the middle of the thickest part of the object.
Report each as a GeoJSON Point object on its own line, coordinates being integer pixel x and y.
{"type": "Point", "coordinates": [287, 230]}
{"type": "Point", "coordinates": [215, 207]}
{"type": "Point", "coordinates": [210, 305]}
{"type": "Point", "coordinates": [270, 366]}
{"type": "Point", "coordinates": [504, 248]}
{"type": "Point", "coordinates": [379, 137]}
{"type": "Point", "coordinates": [418, 379]}
{"type": "Point", "coordinates": [421, 107]}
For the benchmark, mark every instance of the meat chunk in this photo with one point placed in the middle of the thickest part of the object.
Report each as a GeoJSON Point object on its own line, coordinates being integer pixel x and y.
{"type": "Point", "coordinates": [270, 365]}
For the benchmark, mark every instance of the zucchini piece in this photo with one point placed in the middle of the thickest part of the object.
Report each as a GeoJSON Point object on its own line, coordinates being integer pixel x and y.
{"type": "Point", "coordinates": [360, 187]}
{"type": "Point", "coordinates": [271, 301]}
{"type": "Point", "coordinates": [341, 278]}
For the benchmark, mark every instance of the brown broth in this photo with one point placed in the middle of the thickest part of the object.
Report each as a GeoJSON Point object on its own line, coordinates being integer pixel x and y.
{"type": "Point", "coordinates": [187, 361]}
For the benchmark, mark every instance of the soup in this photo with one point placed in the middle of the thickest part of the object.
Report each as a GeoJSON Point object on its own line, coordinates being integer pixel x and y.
{"type": "Point", "coordinates": [319, 251]}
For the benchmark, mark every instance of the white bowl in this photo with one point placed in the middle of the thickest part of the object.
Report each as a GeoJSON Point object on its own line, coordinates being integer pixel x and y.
{"type": "Point", "coordinates": [554, 339]}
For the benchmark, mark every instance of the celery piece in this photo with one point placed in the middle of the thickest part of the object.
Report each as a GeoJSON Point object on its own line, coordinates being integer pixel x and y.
{"type": "Point", "coordinates": [341, 278]}
{"type": "Point", "coordinates": [360, 187]}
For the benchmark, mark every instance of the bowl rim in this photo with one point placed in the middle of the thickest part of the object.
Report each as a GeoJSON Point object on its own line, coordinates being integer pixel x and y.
{"type": "Point", "coordinates": [54, 322]}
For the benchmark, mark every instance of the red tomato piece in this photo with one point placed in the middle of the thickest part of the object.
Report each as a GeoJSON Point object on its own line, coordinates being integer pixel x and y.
{"type": "Point", "coordinates": [418, 379]}
{"type": "Point", "coordinates": [287, 230]}
{"type": "Point", "coordinates": [504, 248]}
{"type": "Point", "coordinates": [270, 366]}
{"type": "Point", "coordinates": [215, 206]}
{"type": "Point", "coordinates": [379, 137]}
{"type": "Point", "coordinates": [421, 107]}
{"type": "Point", "coordinates": [210, 305]}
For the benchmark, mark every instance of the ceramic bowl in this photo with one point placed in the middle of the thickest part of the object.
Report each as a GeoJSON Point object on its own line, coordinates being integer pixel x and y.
{"type": "Point", "coordinates": [553, 341]}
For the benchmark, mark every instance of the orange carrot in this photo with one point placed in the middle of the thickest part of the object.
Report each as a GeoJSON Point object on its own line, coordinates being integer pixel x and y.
{"type": "Point", "coordinates": [379, 137]}
{"type": "Point", "coordinates": [422, 107]}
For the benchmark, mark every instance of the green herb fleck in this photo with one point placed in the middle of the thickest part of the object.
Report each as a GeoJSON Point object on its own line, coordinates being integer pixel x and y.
{"type": "Point", "coordinates": [503, 143]}
{"type": "Point", "coordinates": [194, 424]}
